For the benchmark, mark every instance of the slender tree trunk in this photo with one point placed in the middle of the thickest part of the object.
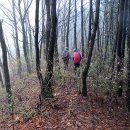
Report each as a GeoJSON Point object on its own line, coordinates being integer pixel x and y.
{"type": "Point", "coordinates": [124, 31]}
{"type": "Point", "coordinates": [18, 57]}
{"type": "Point", "coordinates": [98, 40]}
{"type": "Point", "coordinates": [30, 39]}
{"type": "Point", "coordinates": [56, 55]}
{"type": "Point", "coordinates": [86, 69]}
{"type": "Point", "coordinates": [26, 25]}
{"type": "Point", "coordinates": [111, 23]}
{"type": "Point", "coordinates": [90, 23]}
{"type": "Point", "coordinates": [82, 29]}
{"type": "Point", "coordinates": [106, 40]}
{"type": "Point", "coordinates": [68, 25]}
{"type": "Point", "coordinates": [38, 68]}
{"type": "Point", "coordinates": [2, 72]}
{"type": "Point", "coordinates": [48, 26]}
{"type": "Point", "coordinates": [1, 80]}
{"type": "Point", "coordinates": [63, 33]}
{"type": "Point", "coordinates": [119, 50]}
{"type": "Point", "coordinates": [114, 55]}
{"type": "Point", "coordinates": [5, 63]}
{"type": "Point", "coordinates": [128, 60]}
{"type": "Point", "coordinates": [43, 40]}
{"type": "Point", "coordinates": [114, 48]}
{"type": "Point", "coordinates": [102, 41]}
{"type": "Point", "coordinates": [49, 69]}
{"type": "Point", "coordinates": [24, 39]}
{"type": "Point", "coordinates": [63, 36]}
{"type": "Point", "coordinates": [75, 23]}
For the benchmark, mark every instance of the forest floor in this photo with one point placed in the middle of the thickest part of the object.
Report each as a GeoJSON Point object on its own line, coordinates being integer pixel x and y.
{"type": "Point", "coordinates": [68, 110]}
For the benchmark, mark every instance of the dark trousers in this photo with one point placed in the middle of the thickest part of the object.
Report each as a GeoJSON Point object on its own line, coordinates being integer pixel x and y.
{"type": "Point", "coordinates": [66, 62]}
{"type": "Point", "coordinates": [76, 67]}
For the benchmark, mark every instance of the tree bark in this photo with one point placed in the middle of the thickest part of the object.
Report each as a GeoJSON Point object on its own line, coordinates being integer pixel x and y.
{"type": "Point", "coordinates": [38, 68]}
{"type": "Point", "coordinates": [82, 28]}
{"type": "Point", "coordinates": [24, 39]}
{"type": "Point", "coordinates": [124, 30]}
{"type": "Point", "coordinates": [18, 57]}
{"type": "Point", "coordinates": [75, 23]}
{"type": "Point", "coordinates": [90, 19]}
{"type": "Point", "coordinates": [30, 39]}
{"type": "Point", "coordinates": [68, 25]}
{"type": "Point", "coordinates": [46, 89]}
{"type": "Point", "coordinates": [114, 47]}
{"type": "Point", "coordinates": [86, 69]}
{"type": "Point", "coordinates": [1, 80]}
{"type": "Point", "coordinates": [5, 63]}
{"type": "Point", "coordinates": [128, 60]}
{"type": "Point", "coordinates": [48, 26]}
{"type": "Point", "coordinates": [43, 39]}
{"type": "Point", "coordinates": [119, 50]}
{"type": "Point", "coordinates": [98, 40]}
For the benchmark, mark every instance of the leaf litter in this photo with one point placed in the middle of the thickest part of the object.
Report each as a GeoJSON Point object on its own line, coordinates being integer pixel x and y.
{"type": "Point", "coordinates": [71, 111]}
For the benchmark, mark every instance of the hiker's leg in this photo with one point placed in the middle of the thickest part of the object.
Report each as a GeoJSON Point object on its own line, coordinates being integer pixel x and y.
{"type": "Point", "coordinates": [75, 69]}
{"type": "Point", "coordinates": [64, 65]}
{"type": "Point", "coordinates": [78, 70]}
{"type": "Point", "coordinates": [66, 68]}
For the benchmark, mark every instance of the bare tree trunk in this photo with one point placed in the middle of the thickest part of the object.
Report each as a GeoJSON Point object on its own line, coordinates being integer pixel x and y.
{"type": "Point", "coordinates": [82, 28]}
{"type": "Point", "coordinates": [111, 24]}
{"type": "Point", "coordinates": [63, 30]}
{"type": "Point", "coordinates": [1, 80]}
{"type": "Point", "coordinates": [2, 72]}
{"type": "Point", "coordinates": [68, 25]}
{"type": "Point", "coordinates": [119, 50]}
{"type": "Point", "coordinates": [124, 31]}
{"type": "Point", "coordinates": [26, 25]}
{"type": "Point", "coordinates": [114, 48]}
{"type": "Point", "coordinates": [46, 92]}
{"type": "Point", "coordinates": [63, 36]}
{"type": "Point", "coordinates": [43, 41]}
{"type": "Point", "coordinates": [128, 60]}
{"type": "Point", "coordinates": [48, 26]}
{"type": "Point", "coordinates": [98, 40]}
{"type": "Point", "coordinates": [114, 54]}
{"type": "Point", "coordinates": [85, 71]}
{"type": "Point", "coordinates": [30, 39]}
{"type": "Point", "coordinates": [24, 39]}
{"type": "Point", "coordinates": [18, 57]}
{"type": "Point", "coordinates": [106, 40]}
{"type": "Point", "coordinates": [56, 55]}
{"type": "Point", "coordinates": [90, 19]}
{"type": "Point", "coordinates": [75, 23]}
{"type": "Point", "coordinates": [38, 68]}
{"type": "Point", "coordinates": [5, 63]}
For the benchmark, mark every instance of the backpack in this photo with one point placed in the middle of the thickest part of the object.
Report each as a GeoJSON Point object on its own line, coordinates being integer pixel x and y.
{"type": "Point", "coordinates": [76, 57]}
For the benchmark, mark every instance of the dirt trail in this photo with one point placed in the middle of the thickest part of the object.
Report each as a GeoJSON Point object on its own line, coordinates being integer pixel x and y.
{"type": "Point", "coordinates": [71, 111]}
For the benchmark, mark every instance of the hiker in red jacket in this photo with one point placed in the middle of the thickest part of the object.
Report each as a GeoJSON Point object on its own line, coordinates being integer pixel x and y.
{"type": "Point", "coordinates": [77, 58]}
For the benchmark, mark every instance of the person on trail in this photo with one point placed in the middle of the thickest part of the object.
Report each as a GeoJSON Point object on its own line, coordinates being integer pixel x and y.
{"type": "Point", "coordinates": [77, 58]}
{"type": "Point", "coordinates": [66, 57]}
